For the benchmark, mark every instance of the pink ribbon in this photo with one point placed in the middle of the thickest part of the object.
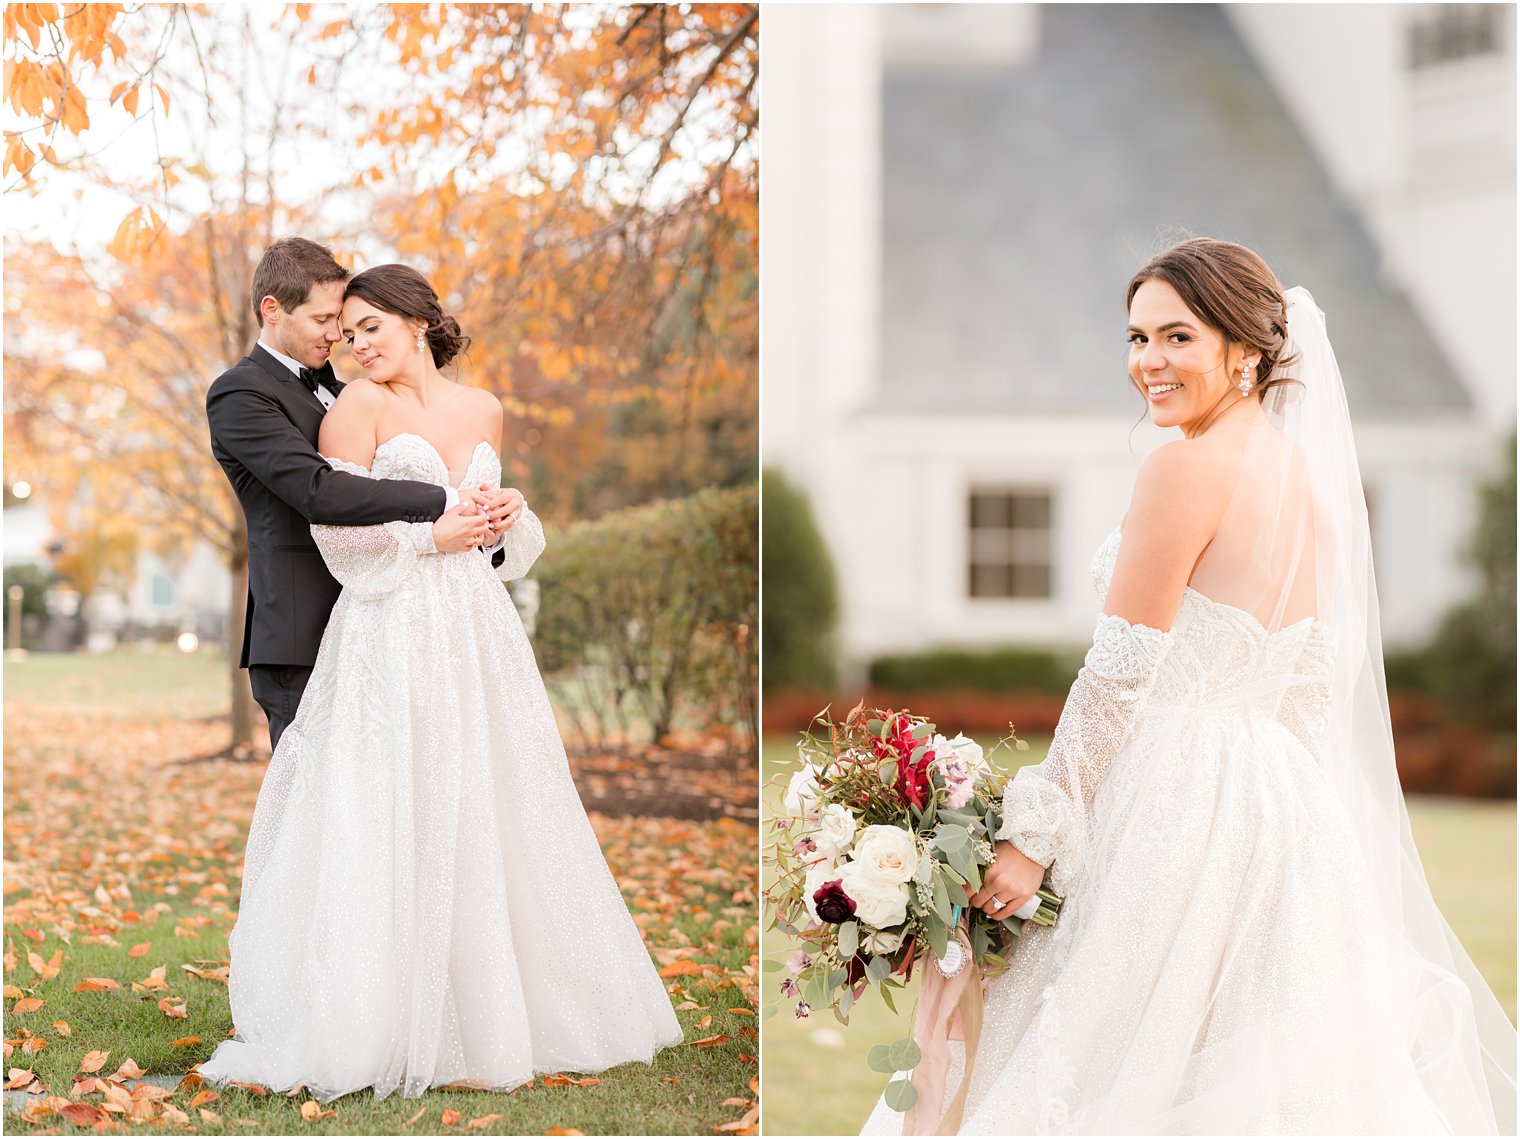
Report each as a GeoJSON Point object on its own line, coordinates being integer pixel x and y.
{"type": "Point", "coordinates": [948, 1008]}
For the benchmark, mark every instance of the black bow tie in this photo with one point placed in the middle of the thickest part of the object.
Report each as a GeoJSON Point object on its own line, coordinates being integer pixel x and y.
{"type": "Point", "coordinates": [309, 377]}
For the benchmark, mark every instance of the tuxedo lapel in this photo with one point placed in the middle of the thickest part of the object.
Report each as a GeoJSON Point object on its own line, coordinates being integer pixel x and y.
{"type": "Point", "coordinates": [306, 410]}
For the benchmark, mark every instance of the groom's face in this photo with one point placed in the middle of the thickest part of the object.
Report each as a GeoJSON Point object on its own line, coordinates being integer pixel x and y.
{"type": "Point", "coordinates": [308, 332]}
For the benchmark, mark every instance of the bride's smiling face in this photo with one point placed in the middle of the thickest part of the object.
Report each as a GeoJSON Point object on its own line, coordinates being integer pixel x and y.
{"type": "Point", "coordinates": [1183, 367]}
{"type": "Point", "coordinates": [383, 343]}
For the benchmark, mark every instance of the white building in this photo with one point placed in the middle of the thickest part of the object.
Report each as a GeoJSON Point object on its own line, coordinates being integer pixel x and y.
{"type": "Point", "coordinates": [955, 196]}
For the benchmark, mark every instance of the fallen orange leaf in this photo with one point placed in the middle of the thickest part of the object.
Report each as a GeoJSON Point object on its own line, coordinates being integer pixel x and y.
{"type": "Point", "coordinates": [705, 1021]}
{"type": "Point", "coordinates": [93, 1061]}
{"type": "Point", "coordinates": [34, 1044]}
{"type": "Point", "coordinates": [742, 1011]}
{"type": "Point", "coordinates": [129, 1070]}
{"type": "Point", "coordinates": [681, 969]}
{"type": "Point", "coordinates": [82, 1114]}
{"type": "Point", "coordinates": [713, 1041]}
{"type": "Point", "coordinates": [13, 991]}
{"type": "Point", "coordinates": [256, 1089]}
{"type": "Point", "coordinates": [203, 1097]}
{"type": "Point", "coordinates": [210, 1116]}
{"type": "Point", "coordinates": [19, 1078]}
{"type": "Point", "coordinates": [484, 1120]}
{"type": "Point", "coordinates": [174, 1007]}
{"type": "Point", "coordinates": [184, 1042]}
{"type": "Point", "coordinates": [96, 985]}
{"type": "Point", "coordinates": [563, 1131]}
{"type": "Point", "coordinates": [735, 1101]}
{"type": "Point", "coordinates": [450, 1116]}
{"type": "Point", "coordinates": [61, 1027]}
{"type": "Point", "coordinates": [140, 950]}
{"type": "Point", "coordinates": [414, 1118]}
{"type": "Point", "coordinates": [28, 1004]}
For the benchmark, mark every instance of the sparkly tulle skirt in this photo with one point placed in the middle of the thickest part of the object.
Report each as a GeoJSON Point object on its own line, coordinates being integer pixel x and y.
{"type": "Point", "coordinates": [1221, 966]}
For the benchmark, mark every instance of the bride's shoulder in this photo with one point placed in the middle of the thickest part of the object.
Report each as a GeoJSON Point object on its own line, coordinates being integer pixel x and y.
{"type": "Point", "coordinates": [1194, 466]}
{"type": "Point", "coordinates": [359, 394]}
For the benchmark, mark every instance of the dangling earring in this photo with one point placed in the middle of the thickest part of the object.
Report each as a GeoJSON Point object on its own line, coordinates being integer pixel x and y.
{"type": "Point", "coordinates": [1245, 380]}
{"type": "Point", "coordinates": [421, 339]}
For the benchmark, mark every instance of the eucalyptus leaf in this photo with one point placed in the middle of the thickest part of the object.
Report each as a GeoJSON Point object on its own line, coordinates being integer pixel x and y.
{"type": "Point", "coordinates": [950, 837]}
{"type": "Point", "coordinates": [878, 1059]}
{"type": "Point", "coordinates": [837, 979]}
{"type": "Point", "coordinates": [769, 1010]}
{"type": "Point", "coordinates": [937, 932]}
{"type": "Point", "coordinates": [875, 726]}
{"type": "Point", "coordinates": [889, 773]}
{"type": "Point", "coordinates": [904, 1054]}
{"type": "Point", "coordinates": [925, 868]}
{"type": "Point", "coordinates": [886, 997]}
{"type": "Point", "coordinates": [849, 939]}
{"type": "Point", "coordinates": [878, 969]}
{"type": "Point", "coordinates": [846, 1003]}
{"type": "Point", "coordinates": [770, 965]}
{"type": "Point", "coordinates": [901, 1095]}
{"type": "Point", "coordinates": [941, 899]}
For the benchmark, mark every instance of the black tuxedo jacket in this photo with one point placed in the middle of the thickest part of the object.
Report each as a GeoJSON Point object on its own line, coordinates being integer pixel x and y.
{"type": "Point", "coordinates": [264, 425]}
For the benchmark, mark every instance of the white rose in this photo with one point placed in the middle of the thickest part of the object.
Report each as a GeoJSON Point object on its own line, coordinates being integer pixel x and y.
{"type": "Point", "coordinates": [801, 791]}
{"type": "Point", "coordinates": [836, 830]}
{"type": "Point", "coordinates": [813, 881]}
{"type": "Point", "coordinates": [888, 853]}
{"type": "Point", "coordinates": [969, 752]}
{"type": "Point", "coordinates": [877, 902]}
{"type": "Point", "coordinates": [883, 941]}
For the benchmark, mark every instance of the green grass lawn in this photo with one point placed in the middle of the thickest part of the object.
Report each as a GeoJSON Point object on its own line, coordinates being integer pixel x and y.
{"type": "Point", "coordinates": [126, 866]}
{"type": "Point", "coordinates": [816, 1081]}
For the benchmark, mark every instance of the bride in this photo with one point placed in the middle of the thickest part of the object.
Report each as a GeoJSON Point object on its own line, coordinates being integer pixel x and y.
{"type": "Point", "coordinates": [424, 901]}
{"type": "Point", "coordinates": [1248, 943]}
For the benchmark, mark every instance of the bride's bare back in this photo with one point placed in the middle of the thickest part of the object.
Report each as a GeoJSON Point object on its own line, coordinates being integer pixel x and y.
{"type": "Point", "coordinates": [1228, 514]}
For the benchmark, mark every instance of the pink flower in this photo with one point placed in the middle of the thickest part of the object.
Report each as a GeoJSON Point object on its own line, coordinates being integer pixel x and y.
{"type": "Point", "coordinates": [788, 987]}
{"type": "Point", "coordinates": [797, 962]}
{"type": "Point", "coordinates": [803, 1008]}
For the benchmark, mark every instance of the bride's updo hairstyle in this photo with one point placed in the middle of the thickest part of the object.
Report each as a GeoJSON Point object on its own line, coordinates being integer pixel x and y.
{"type": "Point", "coordinates": [401, 290]}
{"type": "Point", "coordinates": [1233, 291]}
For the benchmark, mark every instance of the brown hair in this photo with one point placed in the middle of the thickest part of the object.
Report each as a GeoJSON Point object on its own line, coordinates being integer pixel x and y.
{"type": "Point", "coordinates": [288, 270]}
{"type": "Point", "coordinates": [401, 290]}
{"type": "Point", "coordinates": [1233, 291]}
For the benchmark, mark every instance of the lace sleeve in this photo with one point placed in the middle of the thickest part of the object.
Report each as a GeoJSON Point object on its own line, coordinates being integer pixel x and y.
{"type": "Point", "coordinates": [521, 546]}
{"type": "Point", "coordinates": [371, 561]}
{"type": "Point", "coordinates": [1045, 805]}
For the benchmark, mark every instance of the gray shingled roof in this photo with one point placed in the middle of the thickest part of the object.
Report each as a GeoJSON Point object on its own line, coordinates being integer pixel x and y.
{"type": "Point", "coordinates": [1018, 201]}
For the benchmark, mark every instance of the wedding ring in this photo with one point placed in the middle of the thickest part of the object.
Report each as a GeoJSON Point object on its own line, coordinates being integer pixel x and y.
{"type": "Point", "coordinates": [996, 903]}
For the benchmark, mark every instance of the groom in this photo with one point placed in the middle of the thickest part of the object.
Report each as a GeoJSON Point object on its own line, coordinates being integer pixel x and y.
{"type": "Point", "coordinates": [265, 412]}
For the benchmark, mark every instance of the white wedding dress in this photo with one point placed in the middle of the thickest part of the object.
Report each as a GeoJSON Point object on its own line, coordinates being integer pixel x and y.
{"type": "Point", "coordinates": [424, 901]}
{"type": "Point", "coordinates": [1248, 944]}
{"type": "Point", "coordinates": [1218, 967]}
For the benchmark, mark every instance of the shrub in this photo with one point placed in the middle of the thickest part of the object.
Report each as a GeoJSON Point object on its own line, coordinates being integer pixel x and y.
{"type": "Point", "coordinates": [650, 613]}
{"type": "Point", "coordinates": [1001, 670]}
{"type": "Point", "coordinates": [801, 599]}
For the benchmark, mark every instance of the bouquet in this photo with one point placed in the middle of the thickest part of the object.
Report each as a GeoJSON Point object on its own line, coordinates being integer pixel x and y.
{"type": "Point", "coordinates": [883, 835]}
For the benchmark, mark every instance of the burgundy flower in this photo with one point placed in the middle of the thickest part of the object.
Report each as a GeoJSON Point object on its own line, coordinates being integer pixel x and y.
{"type": "Point", "coordinates": [832, 903]}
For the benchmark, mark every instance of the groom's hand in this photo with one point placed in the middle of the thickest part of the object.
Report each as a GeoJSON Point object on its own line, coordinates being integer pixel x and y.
{"type": "Point", "coordinates": [463, 528]}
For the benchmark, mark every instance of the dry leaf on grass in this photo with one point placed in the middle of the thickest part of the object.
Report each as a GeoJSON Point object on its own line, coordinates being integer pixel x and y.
{"type": "Point", "coordinates": [184, 1042]}
{"type": "Point", "coordinates": [484, 1120]}
{"type": "Point", "coordinates": [140, 950]}
{"type": "Point", "coordinates": [93, 1061]}
{"type": "Point", "coordinates": [450, 1116]}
